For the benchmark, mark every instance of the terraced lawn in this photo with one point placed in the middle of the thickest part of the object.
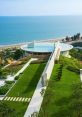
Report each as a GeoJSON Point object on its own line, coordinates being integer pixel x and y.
{"type": "Point", "coordinates": [57, 98]}
{"type": "Point", "coordinates": [25, 87]}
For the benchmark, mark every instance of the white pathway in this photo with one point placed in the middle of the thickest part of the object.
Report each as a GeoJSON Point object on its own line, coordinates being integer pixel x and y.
{"type": "Point", "coordinates": [6, 66]}
{"type": "Point", "coordinates": [36, 101]}
{"type": "Point", "coordinates": [2, 83]}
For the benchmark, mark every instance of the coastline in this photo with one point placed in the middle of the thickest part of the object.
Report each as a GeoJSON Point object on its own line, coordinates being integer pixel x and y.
{"type": "Point", "coordinates": [18, 45]}
{"type": "Point", "coordinates": [24, 43]}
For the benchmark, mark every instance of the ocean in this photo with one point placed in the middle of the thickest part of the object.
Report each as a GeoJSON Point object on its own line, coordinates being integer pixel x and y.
{"type": "Point", "coordinates": [20, 29]}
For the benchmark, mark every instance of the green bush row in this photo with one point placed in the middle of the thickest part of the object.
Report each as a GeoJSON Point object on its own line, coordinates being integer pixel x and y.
{"type": "Point", "coordinates": [73, 69]}
{"type": "Point", "coordinates": [59, 72]}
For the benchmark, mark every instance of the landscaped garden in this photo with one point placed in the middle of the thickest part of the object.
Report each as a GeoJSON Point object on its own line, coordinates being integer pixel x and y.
{"type": "Point", "coordinates": [64, 92]}
{"type": "Point", "coordinates": [14, 68]}
{"type": "Point", "coordinates": [25, 87]}
{"type": "Point", "coordinates": [5, 88]}
{"type": "Point", "coordinates": [76, 53]}
{"type": "Point", "coordinates": [11, 70]}
{"type": "Point", "coordinates": [62, 97]}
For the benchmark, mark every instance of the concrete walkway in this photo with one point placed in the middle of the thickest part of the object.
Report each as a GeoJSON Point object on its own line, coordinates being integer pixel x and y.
{"type": "Point", "coordinates": [36, 101]}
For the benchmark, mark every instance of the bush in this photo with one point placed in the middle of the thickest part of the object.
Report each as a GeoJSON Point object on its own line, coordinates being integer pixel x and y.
{"type": "Point", "coordinates": [17, 77]}
{"type": "Point", "coordinates": [6, 111]}
{"type": "Point", "coordinates": [76, 53]}
{"type": "Point", "coordinates": [70, 62]}
{"type": "Point", "coordinates": [56, 61]}
{"type": "Point", "coordinates": [73, 69]}
{"type": "Point", "coordinates": [4, 89]}
{"type": "Point", "coordinates": [9, 82]}
{"type": "Point", "coordinates": [59, 72]}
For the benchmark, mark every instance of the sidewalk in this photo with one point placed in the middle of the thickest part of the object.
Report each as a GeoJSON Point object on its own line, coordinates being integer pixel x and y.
{"type": "Point", "coordinates": [36, 101]}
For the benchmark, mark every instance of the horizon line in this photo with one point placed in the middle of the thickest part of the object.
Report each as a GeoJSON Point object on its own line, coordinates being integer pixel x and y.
{"type": "Point", "coordinates": [37, 15]}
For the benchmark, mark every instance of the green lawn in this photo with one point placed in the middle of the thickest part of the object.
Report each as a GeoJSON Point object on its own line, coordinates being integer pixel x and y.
{"type": "Point", "coordinates": [58, 94]}
{"type": "Point", "coordinates": [25, 87]}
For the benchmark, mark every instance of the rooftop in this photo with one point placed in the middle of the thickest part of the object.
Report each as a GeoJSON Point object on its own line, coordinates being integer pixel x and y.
{"type": "Point", "coordinates": [45, 47]}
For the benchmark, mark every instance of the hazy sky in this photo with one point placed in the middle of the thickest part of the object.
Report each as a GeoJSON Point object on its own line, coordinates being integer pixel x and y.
{"type": "Point", "coordinates": [40, 7]}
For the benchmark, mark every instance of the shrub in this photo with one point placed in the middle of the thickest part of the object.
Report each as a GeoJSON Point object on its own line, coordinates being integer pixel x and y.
{"type": "Point", "coordinates": [56, 62]}
{"type": "Point", "coordinates": [70, 62]}
{"type": "Point", "coordinates": [6, 111]}
{"type": "Point", "coordinates": [76, 53]}
{"type": "Point", "coordinates": [17, 77]}
{"type": "Point", "coordinates": [4, 89]}
{"type": "Point", "coordinates": [73, 69]}
{"type": "Point", "coordinates": [9, 82]}
{"type": "Point", "coordinates": [59, 72]}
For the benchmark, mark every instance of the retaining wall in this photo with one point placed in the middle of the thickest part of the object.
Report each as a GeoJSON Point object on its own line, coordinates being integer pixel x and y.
{"type": "Point", "coordinates": [50, 64]}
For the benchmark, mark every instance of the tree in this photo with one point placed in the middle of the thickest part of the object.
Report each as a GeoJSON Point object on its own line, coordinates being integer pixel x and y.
{"type": "Point", "coordinates": [18, 54]}
{"type": "Point", "coordinates": [78, 35]}
{"type": "Point", "coordinates": [67, 38]}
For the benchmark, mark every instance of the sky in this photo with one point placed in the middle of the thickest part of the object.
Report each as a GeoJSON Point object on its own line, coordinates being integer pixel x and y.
{"type": "Point", "coordinates": [40, 7]}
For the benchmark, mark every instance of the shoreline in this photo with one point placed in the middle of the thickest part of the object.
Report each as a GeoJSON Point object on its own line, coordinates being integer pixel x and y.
{"type": "Point", "coordinates": [18, 45]}
{"type": "Point", "coordinates": [24, 43]}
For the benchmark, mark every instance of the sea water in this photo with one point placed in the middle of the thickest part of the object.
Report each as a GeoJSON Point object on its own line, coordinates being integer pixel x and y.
{"type": "Point", "coordinates": [28, 28]}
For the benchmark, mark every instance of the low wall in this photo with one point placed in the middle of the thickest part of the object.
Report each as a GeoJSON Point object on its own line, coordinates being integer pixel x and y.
{"type": "Point", "coordinates": [50, 64]}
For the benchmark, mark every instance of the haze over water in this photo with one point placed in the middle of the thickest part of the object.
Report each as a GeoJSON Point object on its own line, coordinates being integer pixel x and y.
{"type": "Point", "coordinates": [22, 29]}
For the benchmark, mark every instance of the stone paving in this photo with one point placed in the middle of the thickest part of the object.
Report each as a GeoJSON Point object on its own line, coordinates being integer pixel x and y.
{"type": "Point", "coordinates": [17, 99]}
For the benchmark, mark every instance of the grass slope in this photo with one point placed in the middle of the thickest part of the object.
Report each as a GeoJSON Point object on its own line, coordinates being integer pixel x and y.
{"type": "Point", "coordinates": [58, 93]}
{"type": "Point", "coordinates": [25, 87]}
